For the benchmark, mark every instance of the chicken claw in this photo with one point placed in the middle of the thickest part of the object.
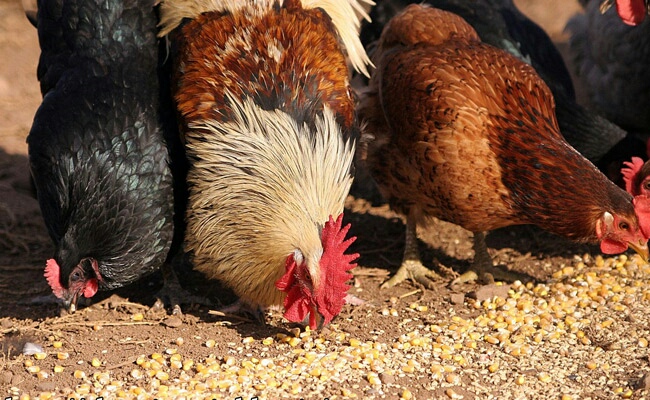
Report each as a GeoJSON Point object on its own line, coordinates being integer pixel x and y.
{"type": "Point", "coordinates": [414, 271]}
{"type": "Point", "coordinates": [412, 268]}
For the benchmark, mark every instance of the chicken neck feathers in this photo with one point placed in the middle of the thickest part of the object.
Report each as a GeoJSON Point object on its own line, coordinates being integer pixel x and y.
{"type": "Point", "coordinates": [274, 184]}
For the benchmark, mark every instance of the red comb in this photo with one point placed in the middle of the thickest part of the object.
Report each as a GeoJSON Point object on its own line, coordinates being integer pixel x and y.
{"type": "Point", "coordinates": [629, 174]}
{"type": "Point", "coordinates": [631, 12]}
{"type": "Point", "coordinates": [52, 272]}
{"type": "Point", "coordinates": [329, 297]}
{"type": "Point", "coordinates": [642, 210]}
{"type": "Point", "coordinates": [335, 266]}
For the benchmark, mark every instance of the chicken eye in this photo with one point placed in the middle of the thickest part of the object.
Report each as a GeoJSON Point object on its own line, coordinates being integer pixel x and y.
{"type": "Point", "coordinates": [75, 276]}
{"type": "Point", "coordinates": [623, 226]}
{"type": "Point", "coordinates": [646, 185]}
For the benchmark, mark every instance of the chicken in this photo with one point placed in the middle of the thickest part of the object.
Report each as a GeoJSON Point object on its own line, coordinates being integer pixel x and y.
{"type": "Point", "coordinates": [501, 24]}
{"type": "Point", "coordinates": [268, 119]}
{"type": "Point", "coordinates": [97, 153]}
{"type": "Point", "coordinates": [631, 12]}
{"type": "Point", "coordinates": [466, 133]}
{"type": "Point", "coordinates": [611, 61]}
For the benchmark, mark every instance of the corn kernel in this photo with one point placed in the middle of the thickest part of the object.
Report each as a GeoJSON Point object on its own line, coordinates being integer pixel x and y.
{"type": "Point", "coordinates": [520, 380]}
{"type": "Point", "coordinates": [137, 317]}
{"type": "Point", "coordinates": [40, 356]}
{"type": "Point", "coordinates": [544, 377]}
{"type": "Point", "coordinates": [591, 365]}
{"type": "Point", "coordinates": [493, 367]}
{"type": "Point", "coordinates": [136, 374]}
{"type": "Point", "coordinates": [248, 340]}
{"type": "Point", "coordinates": [95, 362]}
{"type": "Point", "coordinates": [267, 341]}
{"type": "Point", "coordinates": [62, 356]}
{"type": "Point", "coordinates": [210, 343]}
{"type": "Point", "coordinates": [58, 369]}
{"type": "Point", "coordinates": [162, 375]}
{"type": "Point", "coordinates": [406, 395]}
{"type": "Point", "coordinates": [33, 369]}
{"type": "Point", "coordinates": [79, 374]}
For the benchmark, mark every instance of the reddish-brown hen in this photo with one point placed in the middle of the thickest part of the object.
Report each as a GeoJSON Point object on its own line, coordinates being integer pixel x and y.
{"type": "Point", "coordinates": [467, 133]}
{"type": "Point", "coordinates": [263, 94]}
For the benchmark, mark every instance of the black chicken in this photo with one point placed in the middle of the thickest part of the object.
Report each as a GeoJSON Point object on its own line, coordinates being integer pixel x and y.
{"type": "Point", "coordinates": [98, 156]}
{"type": "Point", "coordinates": [501, 24]}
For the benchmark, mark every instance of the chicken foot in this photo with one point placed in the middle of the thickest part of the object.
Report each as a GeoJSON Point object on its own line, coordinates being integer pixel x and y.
{"type": "Point", "coordinates": [483, 269]}
{"type": "Point", "coordinates": [412, 267]}
{"type": "Point", "coordinates": [172, 293]}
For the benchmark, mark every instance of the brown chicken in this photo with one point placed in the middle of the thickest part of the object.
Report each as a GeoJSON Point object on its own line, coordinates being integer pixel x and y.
{"type": "Point", "coordinates": [267, 113]}
{"type": "Point", "coordinates": [467, 133]}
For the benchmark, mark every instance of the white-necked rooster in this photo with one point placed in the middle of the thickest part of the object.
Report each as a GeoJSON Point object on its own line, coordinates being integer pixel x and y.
{"type": "Point", "coordinates": [267, 115]}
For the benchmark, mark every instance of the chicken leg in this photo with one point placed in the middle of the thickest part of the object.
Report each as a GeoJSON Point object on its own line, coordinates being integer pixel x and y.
{"type": "Point", "coordinates": [412, 268]}
{"type": "Point", "coordinates": [172, 293]}
{"type": "Point", "coordinates": [483, 269]}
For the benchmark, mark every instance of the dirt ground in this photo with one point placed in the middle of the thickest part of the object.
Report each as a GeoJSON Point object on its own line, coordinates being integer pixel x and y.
{"type": "Point", "coordinates": [578, 329]}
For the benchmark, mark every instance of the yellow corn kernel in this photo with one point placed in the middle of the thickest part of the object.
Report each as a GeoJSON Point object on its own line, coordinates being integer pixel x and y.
{"type": "Point", "coordinates": [137, 317]}
{"type": "Point", "coordinates": [544, 377]}
{"type": "Point", "coordinates": [493, 367]}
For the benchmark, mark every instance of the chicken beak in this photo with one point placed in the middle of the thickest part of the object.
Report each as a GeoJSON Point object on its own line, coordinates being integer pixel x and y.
{"type": "Point", "coordinates": [641, 249]}
{"type": "Point", "coordinates": [315, 319]}
{"type": "Point", "coordinates": [70, 303]}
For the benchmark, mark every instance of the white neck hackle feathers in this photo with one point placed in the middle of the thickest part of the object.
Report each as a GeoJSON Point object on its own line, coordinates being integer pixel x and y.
{"type": "Point", "coordinates": [345, 15]}
{"type": "Point", "coordinates": [267, 187]}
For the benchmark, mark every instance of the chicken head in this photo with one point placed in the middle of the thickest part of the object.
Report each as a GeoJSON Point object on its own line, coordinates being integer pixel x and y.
{"type": "Point", "coordinates": [616, 233]}
{"type": "Point", "coordinates": [319, 290]}
{"type": "Point", "coordinates": [82, 281]}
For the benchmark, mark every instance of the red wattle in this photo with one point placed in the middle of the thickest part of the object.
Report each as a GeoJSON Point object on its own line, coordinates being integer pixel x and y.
{"type": "Point", "coordinates": [609, 246]}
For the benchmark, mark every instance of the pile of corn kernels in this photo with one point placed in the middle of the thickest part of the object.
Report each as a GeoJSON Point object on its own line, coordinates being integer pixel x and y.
{"type": "Point", "coordinates": [587, 327]}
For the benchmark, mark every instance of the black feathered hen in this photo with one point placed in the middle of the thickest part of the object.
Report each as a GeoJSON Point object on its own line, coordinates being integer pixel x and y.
{"type": "Point", "coordinates": [97, 152]}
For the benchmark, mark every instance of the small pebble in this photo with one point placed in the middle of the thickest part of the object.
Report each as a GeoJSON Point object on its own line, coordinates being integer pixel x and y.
{"type": "Point", "coordinates": [644, 382]}
{"type": "Point", "coordinates": [487, 292]}
{"type": "Point", "coordinates": [386, 378]}
{"type": "Point", "coordinates": [457, 298]}
{"type": "Point", "coordinates": [172, 322]}
{"type": "Point", "coordinates": [32, 348]}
